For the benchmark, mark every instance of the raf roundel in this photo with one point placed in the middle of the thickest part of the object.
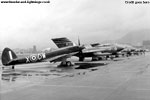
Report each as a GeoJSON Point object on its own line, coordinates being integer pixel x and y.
{"type": "Point", "coordinates": [33, 58]}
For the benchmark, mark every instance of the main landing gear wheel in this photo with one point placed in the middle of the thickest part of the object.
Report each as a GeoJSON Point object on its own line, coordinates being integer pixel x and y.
{"type": "Point", "coordinates": [13, 67]}
{"type": "Point", "coordinates": [3, 67]}
{"type": "Point", "coordinates": [116, 56]}
{"type": "Point", "coordinates": [111, 57]}
{"type": "Point", "coordinates": [68, 63]}
{"type": "Point", "coordinates": [100, 58]}
{"type": "Point", "coordinates": [65, 64]}
{"type": "Point", "coordinates": [81, 58]}
{"type": "Point", "coordinates": [95, 59]}
{"type": "Point", "coordinates": [106, 57]}
{"type": "Point", "coordinates": [127, 55]}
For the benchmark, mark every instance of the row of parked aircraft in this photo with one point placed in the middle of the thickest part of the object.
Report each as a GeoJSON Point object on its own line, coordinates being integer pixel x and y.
{"type": "Point", "coordinates": [67, 49]}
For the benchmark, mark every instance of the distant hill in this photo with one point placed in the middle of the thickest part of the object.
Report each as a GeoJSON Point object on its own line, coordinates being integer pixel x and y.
{"type": "Point", "coordinates": [135, 37]}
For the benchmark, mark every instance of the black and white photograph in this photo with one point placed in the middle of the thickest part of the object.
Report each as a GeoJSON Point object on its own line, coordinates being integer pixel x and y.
{"type": "Point", "coordinates": [74, 49]}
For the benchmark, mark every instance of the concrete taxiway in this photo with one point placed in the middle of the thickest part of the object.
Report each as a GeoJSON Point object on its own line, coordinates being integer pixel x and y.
{"type": "Point", "coordinates": [121, 79]}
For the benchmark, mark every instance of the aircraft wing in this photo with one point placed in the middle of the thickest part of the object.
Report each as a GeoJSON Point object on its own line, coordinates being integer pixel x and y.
{"type": "Point", "coordinates": [61, 57]}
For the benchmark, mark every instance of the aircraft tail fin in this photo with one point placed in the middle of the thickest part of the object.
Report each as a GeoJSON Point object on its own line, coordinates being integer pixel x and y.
{"type": "Point", "coordinates": [62, 42]}
{"type": "Point", "coordinates": [7, 56]}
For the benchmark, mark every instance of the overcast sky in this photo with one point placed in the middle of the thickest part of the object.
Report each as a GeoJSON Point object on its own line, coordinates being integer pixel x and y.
{"type": "Point", "coordinates": [25, 25]}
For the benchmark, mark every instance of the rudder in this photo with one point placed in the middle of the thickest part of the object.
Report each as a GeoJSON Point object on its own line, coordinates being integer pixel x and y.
{"type": "Point", "coordinates": [7, 56]}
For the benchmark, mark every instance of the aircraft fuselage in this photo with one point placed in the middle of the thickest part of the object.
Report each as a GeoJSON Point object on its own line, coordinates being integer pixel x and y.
{"type": "Point", "coordinates": [43, 56]}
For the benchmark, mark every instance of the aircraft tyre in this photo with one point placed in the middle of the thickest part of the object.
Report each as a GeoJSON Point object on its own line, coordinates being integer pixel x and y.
{"type": "Point", "coordinates": [13, 67]}
{"type": "Point", "coordinates": [100, 58]}
{"type": "Point", "coordinates": [65, 64]}
{"type": "Point", "coordinates": [107, 57]}
{"type": "Point", "coordinates": [127, 55]}
{"type": "Point", "coordinates": [3, 67]}
{"type": "Point", "coordinates": [81, 58]}
{"type": "Point", "coordinates": [116, 56]}
{"type": "Point", "coordinates": [111, 57]}
{"type": "Point", "coordinates": [95, 58]}
{"type": "Point", "coordinates": [68, 63]}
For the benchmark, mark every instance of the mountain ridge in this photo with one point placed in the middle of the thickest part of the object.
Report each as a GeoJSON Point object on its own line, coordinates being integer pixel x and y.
{"type": "Point", "coordinates": [133, 37]}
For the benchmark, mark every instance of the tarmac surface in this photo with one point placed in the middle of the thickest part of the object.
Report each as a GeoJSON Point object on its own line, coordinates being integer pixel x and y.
{"type": "Point", "coordinates": [125, 78]}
